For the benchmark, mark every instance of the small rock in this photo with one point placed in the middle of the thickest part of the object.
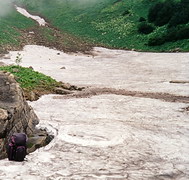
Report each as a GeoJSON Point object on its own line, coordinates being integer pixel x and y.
{"type": "Point", "coordinates": [72, 88]}
{"type": "Point", "coordinates": [15, 70]}
{"type": "Point", "coordinates": [175, 50]}
{"type": "Point", "coordinates": [3, 114]}
{"type": "Point", "coordinates": [35, 142]}
{"type": "Point", "coordinates": [66, 86]}
{"type": "Point", "coordinates": [63, 67]}
{"type": "Point", "coordinates": [80, 88]}
{"type": "Point", "coordinates": [58, 53]}
{"type": "Point", "coordinates": [32, 96]}
{"type": "Point", "coordinates": [30, 67]}
{"type": "Point", "coordinates": [2, 64]}
{"type": "Point", "coordinates": [62, 91]}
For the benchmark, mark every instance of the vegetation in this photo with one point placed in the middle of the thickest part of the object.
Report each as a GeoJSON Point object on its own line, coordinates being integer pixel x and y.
{"type": "Point", "coordinates": [11, 26]}
{"type": "Point", "coordinates": [174, 15]}
{"type": "Point", "coordinates": [144, 25]}
{"type": "Point", "coordinates": [145, 28]}
{"type": "Point", "coordinates": [30, 80]}
{"type": "Point", "coordinates": [123, 24]}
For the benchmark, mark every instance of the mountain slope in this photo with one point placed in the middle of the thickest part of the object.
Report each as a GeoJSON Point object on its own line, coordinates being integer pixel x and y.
{"type": "Point", "coordinates": [110, 23]}
{"type": "Point", "coordinates": [11, 26]}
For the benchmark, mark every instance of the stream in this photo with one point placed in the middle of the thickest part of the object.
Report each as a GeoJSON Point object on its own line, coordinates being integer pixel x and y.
{"type": "Point", "coordinates": [104, 135]}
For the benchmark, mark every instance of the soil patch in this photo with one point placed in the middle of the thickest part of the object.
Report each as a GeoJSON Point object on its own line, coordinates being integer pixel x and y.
{"type": "Point", "coordinates": [51, 37]}
{"type": "Point", "coordinates": [99, 91]}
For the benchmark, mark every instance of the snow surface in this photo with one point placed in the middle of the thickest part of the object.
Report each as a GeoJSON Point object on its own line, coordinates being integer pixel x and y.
{"type": "Point", "coordinates": [40, 20]}
{"type": "Point", "coordinates": [108, 136]}
{"type": "Point", "coordinates": [135, 71]}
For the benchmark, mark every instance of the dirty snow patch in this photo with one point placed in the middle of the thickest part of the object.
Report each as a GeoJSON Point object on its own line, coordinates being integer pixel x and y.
{"type": "Point", "coordinates": [40, 20]}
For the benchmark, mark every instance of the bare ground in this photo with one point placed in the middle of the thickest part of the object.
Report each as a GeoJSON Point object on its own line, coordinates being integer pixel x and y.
{"type": "Point", "coordinates": [99, 91]}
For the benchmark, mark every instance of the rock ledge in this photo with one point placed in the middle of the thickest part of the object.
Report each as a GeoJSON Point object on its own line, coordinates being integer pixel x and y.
{"type": "Point", "coordinates": [16, 115]}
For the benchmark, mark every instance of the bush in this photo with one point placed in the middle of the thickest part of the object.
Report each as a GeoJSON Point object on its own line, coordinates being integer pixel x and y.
{"type": "Point", "coordinates": [126, 12]}
{"type": "Point", "coordinates": [145, 28]}
{"type": "Point", "coordinates": [153, 12]}
{"type": "Point", "coordinates": [173, 34]}
{"type": "Point", "coordinates": [162, 12]}
{"type": "Point", "coordinates": [183, 33]}
{"type": "Point", "coordinates": [156, 41]}
{"type": "Point", "coordinates": [180, 17]}
{"type": "Point", "coordinates": [142, 19]}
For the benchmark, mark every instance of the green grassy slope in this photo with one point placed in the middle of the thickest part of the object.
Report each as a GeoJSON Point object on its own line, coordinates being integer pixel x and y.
{"type": "Point", "coordinates": [11, 26]}
{"type": "Point", "coordinates": [15, 33]}
{"type": "Point", "coordinates": [32, 82]}
{"type": "Point", "coordinates": [110, 22]}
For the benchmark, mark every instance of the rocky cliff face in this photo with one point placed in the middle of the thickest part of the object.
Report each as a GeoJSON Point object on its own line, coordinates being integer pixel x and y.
{"type": "Point", "coordinates": [15, 114]}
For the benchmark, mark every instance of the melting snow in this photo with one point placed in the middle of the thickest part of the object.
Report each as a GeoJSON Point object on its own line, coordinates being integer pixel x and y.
{"type": "Point", "coordinates": [40, 20]}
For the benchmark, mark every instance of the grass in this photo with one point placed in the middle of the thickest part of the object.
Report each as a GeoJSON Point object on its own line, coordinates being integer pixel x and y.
{"type": "Point", "coordinates": [112, 23]}
{"type": "Point", "coordinates": [11, 26]}
{"type": "Point", "coordinates": [30, 79]}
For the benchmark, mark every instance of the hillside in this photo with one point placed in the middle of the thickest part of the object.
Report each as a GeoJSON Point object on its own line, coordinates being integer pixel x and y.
{"type": "Point", "coordinates": [16, 31]}
{"type": "Point", "coordinates": [110, 23]}
{"type": "Point", "coordinates": [12, 24]}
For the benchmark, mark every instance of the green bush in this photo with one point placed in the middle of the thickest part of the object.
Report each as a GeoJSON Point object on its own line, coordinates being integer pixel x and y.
{"type": "Point", "coordinates": [145, 28]}
{"type": "Point", "coordinates": [173, 34]}
{"type": "Point", "coordinates": [183, 33]}
{"type": "Point", "coordinates": [156, 41]}
{"type": "Point", "coordinates": [142, 19]}
{"type": "Point", "coordinates": [153, 11]}
{"type": "Point", "coordinates": [161, 13]}
{"type": "Point", "coordinates": [181, 17]}
{"type": "Point", "coordinates": [126, 12]}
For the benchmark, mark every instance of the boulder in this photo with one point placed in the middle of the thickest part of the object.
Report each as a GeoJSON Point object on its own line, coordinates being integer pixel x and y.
{"type": "Point", "coordinates": [15, 113]}
{"type": "Point", "coordinates": [59, 90]}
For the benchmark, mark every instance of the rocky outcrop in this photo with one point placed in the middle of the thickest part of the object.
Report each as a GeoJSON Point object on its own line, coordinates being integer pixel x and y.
{"type": "Point", "coordinates": [15, 113]}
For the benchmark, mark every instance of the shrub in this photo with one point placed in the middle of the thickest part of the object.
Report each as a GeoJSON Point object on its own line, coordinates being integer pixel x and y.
{"type": "Point", "coordinates": [126, 12]}
{"type": "Point", "coordinates": [142, 19]}
{"type": "Point", "coordinates": [173, 34]}
{"type": "Point", "coordinates": [156, 41]}
{"type": "Point", "coordinates": [153, 12]}
{"type": "Point", "coordinates": [180, 17]}
{"type": "Point", "coordinates": [145, 28]}
{"type": "Point", "coordinates": [161, 12]}
{"type": "Point", "coordinates": [183, 33]}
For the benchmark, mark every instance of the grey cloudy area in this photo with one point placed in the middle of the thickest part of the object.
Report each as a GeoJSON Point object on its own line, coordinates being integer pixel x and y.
{"type": "Point", "coordinates": [5, 7]}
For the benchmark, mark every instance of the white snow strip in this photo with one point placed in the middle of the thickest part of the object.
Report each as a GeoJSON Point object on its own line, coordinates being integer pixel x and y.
{"type": "Point", "coordinates": [22, 11]}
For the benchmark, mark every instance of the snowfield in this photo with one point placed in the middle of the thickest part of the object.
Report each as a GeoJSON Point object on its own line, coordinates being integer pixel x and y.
{"type": "Point", "coordinates": [109, 136]}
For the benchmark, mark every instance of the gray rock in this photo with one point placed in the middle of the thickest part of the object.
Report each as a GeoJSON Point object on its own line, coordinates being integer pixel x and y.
{"type": "Point", "coordinates": [3, 115]}
{"type": "Point", "coordinates": [66, 86]}
{"type": "Point", "coordinates": [15, 113]}
{"type": "Point", "coordinates": [62, 91]}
